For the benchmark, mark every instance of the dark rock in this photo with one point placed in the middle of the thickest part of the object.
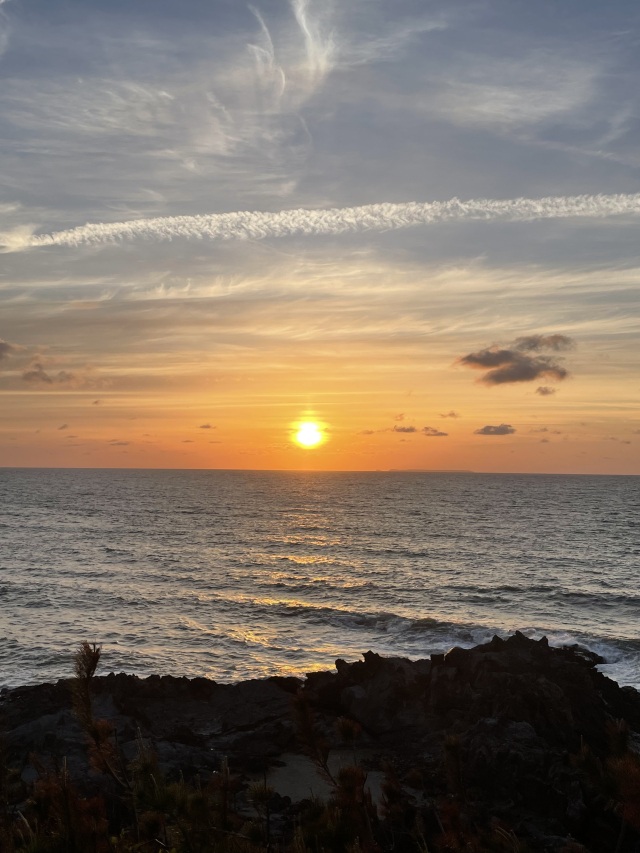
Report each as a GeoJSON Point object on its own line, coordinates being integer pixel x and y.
{"type": "Point", "coordinates": [514, 730]}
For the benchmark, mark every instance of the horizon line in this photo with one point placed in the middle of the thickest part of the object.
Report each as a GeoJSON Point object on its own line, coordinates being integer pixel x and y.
{"type": "Point", "coordinates": [322, 471]}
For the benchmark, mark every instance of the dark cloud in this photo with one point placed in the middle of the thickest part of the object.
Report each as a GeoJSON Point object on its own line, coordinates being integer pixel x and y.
{"type": "Point", "coordinates": [545, 391]}
{"type": "Point", "coordinates": [96, 403]}
{"type": "Point", "coordinates": [206, 426]}
{"type": "Point", "coordinates": [514, 364]}
{"type": "Point", "coordinates": [7, 349]}
{"type": "Point", "coordinates": [367, 432]}
{"type": "Point", "coordinates": [450, 414]}
{"type": "Point", "coordinates": [536, 343]}
{"type": "Point", "coordinates": [187, 441]}
{"type": "Point", "coordinates": [63, 426]}
{"type": "Point", "coordinates": [544, 441]}
{"type": "Point", "coordinates": [37, 373]}
{"type": "Point", "coordinates": [431, 432]}
{"type": "Point", "coordinates": [540, 429]}
{"type": "Point", "coordinates": [404, 428]}
{"type": "Point", "coordinates": [501, 429]}
{"type": "Point", "coordinates": [399, 417]}
{"type": "Point", "coordinates": [507, 366]}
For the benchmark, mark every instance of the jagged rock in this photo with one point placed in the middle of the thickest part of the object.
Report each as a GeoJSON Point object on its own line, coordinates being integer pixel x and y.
{"type": "Point", "coordinates": [515, 730]}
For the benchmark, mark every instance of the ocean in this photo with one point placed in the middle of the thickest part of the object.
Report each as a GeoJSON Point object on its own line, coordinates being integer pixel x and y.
{"type": "Point", "coordinates": [243, 574]}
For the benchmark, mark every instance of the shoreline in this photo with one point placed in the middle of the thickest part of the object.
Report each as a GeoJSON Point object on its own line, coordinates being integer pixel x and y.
{"type": "Point", "coordinates": [492, 729]}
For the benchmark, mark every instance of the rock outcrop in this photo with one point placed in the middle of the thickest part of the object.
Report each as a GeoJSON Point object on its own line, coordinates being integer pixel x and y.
{"type": "Point", "coordinates": [512, 739]}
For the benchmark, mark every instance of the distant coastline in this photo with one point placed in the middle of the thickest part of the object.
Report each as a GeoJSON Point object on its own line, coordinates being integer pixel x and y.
{"type": "Point", "coordinates": [431, 471]}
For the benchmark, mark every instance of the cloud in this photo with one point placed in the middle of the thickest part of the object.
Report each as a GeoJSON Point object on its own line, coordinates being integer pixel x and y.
{"type": "Point", "coordinates": [320, 46]}
{"type": "Point", "coordinates": [367, 432]}
{"type": "Point", "coordinates": [7, 349]}
{"type": "Point", "coordinates": [545, 391]}
{"type": "Point", "coordinates": [399, 417]}
{"type": "Point", "coordinates": [535, 343]}
{"type": "Point", "coordinates": [407, 429]}
{"type": "Point", "coordinates": [37, 373]}
{"type": "Point", "coordinates": [502, 429]}
{"type": "Point", "coordinates": [431, 432]}
{"type": "Point", "coordinates": [450, 414]}
{"type": "Point", "coordinates": [516, 365]}
{"type": "Point", "coordinates": [17, 238]}
{"type": "Point", "coordinates": [4, 29]}
{"type": "Point", "coordinates": [206, 426]}
{"type": "Point", "coordinates": [117, 443]}
{"type": "Point", "coordinates": [63, 426]}
{"type": "Point", "coordinates": [517, 92]}
{"type": "Point", "coordinates": [259, 225]}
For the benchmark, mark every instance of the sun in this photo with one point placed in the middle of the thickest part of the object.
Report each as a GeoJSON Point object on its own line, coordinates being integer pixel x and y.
{"type": "Point", "coordinates": [309, 434]}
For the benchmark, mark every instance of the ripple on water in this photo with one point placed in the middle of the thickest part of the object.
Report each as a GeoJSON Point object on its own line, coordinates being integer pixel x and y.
{"type": "Point", "coordinates": [284, 572]}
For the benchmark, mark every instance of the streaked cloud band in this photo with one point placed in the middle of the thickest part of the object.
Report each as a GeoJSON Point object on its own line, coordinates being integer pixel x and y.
{"type": "Point", "coordinates": [258, 225]}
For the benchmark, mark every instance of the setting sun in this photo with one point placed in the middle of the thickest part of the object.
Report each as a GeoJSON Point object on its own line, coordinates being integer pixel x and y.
{"type": "Point", "coordinates": [309, 435]}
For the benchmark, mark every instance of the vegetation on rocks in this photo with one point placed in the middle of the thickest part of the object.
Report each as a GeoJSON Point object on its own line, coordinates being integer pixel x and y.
{"type": "Point", "coordinates": [511, 747]}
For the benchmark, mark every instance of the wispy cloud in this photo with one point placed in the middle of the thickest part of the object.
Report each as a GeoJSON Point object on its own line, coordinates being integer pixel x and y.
{"type": "Point", "coordinates": [4, 29]}
{"type": "Point", "coordinates": [503, 92]}
{"type": "Point", "coordinates": [320, 45]}
{"type": "Point", "coordinates": [259, 225]}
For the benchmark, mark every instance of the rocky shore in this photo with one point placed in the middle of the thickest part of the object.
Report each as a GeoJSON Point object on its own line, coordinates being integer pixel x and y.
{"type": "Point", "coordinates": [510, 746]}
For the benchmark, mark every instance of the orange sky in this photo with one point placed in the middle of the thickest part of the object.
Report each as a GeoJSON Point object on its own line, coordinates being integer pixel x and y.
{"type": "Point", "coordinates": [217, 225]}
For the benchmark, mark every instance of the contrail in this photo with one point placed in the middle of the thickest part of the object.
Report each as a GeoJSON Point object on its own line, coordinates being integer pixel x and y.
{"type": "Point", "coordinates": [258, 225]}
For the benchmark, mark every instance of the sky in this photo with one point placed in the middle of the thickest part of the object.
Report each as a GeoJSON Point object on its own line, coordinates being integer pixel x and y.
{"type": "Point", "coordinates": [411, 223]}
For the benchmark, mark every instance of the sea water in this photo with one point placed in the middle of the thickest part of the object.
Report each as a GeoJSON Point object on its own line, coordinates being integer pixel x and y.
{"type": "Point", "coordinates": [240, 574]}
